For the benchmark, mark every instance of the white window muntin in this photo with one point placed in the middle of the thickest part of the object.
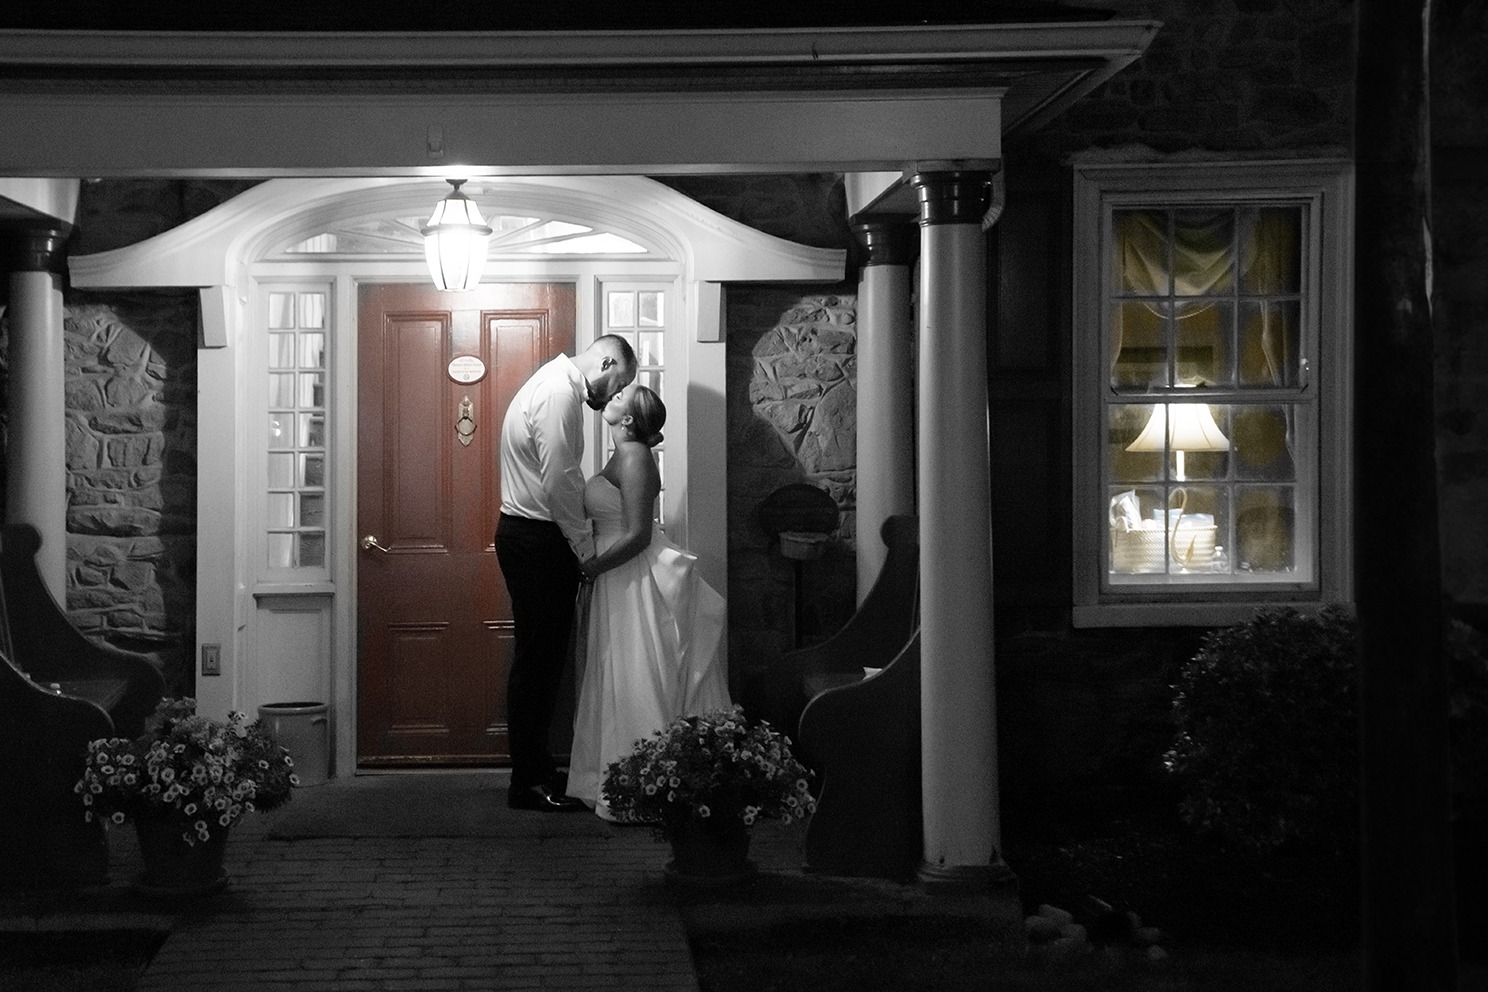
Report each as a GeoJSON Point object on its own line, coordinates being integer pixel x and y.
{"type": "Point", "coordinates": [294, 328]}
{"type": "Point", "coordinates": [643, 312]}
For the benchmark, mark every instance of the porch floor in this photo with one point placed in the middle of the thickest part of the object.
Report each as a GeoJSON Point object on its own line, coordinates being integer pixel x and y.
{"type": "Point", "coordinates": [521, 901]}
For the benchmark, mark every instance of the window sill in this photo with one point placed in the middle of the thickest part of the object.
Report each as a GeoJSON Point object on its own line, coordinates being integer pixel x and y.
{"type": "Point", "coordinates": [1188, 614]}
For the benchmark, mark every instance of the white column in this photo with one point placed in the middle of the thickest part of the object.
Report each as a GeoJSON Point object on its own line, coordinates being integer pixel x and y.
{"type": "Point", "coordinates": [224, 608]}
{"type": "Point", "coordinates": [885, 361]}
{"type": "Point", "coordinates": [36, 468]}
{"type": "Point", "coordinates": [958, 701]}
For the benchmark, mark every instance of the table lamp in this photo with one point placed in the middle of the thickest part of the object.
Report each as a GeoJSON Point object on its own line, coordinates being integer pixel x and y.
{"type": "Point", "coordinates": [1189, 427]}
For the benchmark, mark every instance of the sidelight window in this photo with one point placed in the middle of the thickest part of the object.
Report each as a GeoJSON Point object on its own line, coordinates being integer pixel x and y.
{"type": "Point", "coordinates": [295, 501]}
{"type": "Point", "coordinates": [637, 312]}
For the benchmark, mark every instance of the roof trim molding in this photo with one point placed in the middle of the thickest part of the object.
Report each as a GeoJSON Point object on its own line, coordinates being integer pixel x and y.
{"type": "Point", "coordinates": [93, 51]}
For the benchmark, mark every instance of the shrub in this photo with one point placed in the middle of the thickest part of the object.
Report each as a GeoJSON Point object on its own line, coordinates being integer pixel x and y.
{"type": "Point", "coordinates": [1266, 745]}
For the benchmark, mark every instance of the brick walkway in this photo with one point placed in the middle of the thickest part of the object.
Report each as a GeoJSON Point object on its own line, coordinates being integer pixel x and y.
{"type": "Point", "coordinates": [411, 913]}
{"type": "Point", "coordinates": [569, 902]}
{"type": "Point", "coordinates": [537, 901]}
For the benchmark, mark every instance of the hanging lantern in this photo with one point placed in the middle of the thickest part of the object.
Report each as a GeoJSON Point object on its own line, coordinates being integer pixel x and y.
{"type": "Point", "coordinates": [455, 241]}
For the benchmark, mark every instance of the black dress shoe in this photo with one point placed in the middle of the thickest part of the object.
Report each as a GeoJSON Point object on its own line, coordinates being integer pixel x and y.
{"type": "Point", "coordinates": [540, 797]}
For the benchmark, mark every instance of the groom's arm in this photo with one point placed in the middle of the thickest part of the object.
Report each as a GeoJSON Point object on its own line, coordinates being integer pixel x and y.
{"type": "Point", "coordinates": [557, 432]}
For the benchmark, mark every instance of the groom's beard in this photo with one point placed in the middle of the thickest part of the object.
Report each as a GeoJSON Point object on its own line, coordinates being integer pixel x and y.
{"type": "Point", "coordinates": [595, 402]}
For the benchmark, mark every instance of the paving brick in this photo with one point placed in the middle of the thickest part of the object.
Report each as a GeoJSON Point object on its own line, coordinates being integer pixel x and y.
{"type": "Point", "coordinates": [558, 905]}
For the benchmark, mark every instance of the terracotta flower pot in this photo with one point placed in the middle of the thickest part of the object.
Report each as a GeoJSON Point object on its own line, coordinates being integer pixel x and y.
{"type": "Point", "coordinates": [174, 868]}
{"type": "Point", "coordinates": [703, 854]}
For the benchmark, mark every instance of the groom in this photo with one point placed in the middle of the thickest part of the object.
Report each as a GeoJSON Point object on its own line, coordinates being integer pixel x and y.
{"type": "Point", "coordinates": [541, 537]}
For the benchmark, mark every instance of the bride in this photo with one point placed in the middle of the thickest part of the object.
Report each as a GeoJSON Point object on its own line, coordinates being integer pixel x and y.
{"type": "Point", "coordinates": [655, 627]}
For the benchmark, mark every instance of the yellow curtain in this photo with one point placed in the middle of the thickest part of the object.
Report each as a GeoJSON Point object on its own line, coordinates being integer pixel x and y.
{"type": "Point", "coordinates": [1200, 261]}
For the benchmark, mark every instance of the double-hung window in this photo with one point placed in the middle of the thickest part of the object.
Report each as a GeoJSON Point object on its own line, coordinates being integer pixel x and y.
{"type": "Point", "coordinates": [1211, 381]}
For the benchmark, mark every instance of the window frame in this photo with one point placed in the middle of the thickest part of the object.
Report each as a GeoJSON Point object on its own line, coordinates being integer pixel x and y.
{"type": "Point", "coordinates": [1325, 189]}
{"type": "Point", "coordinates": [260, 372]}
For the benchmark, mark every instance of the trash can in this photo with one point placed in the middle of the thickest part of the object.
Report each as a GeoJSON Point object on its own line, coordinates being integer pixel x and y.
{"type": "Point", "coordinates": [303, 730]}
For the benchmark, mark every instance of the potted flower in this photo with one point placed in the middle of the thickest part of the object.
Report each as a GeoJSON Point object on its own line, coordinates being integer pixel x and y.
{"type": "Point", "coordinates": [184, 782]}
{"type": "Point", "coordinates": [703, 782]}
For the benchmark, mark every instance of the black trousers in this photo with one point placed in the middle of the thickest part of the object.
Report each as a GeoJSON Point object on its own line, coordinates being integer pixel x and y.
{"type": "Point", "coordinates": [542, 576]}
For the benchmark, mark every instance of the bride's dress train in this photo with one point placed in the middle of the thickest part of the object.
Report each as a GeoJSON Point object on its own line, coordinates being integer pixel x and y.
{"type": "Point", "coordinates": [653, 651]}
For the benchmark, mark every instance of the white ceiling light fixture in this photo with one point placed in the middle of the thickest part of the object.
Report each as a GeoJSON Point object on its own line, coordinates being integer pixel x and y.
{"type": "Point", "coordinates": [455, 241]}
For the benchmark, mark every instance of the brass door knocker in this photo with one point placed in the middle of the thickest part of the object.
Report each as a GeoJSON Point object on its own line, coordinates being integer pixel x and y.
{"type": "Point", "coordinates": [465, 422]}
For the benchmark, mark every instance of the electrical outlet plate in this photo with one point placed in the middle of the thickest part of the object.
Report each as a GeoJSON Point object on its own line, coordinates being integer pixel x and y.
{"type": "Point", "coordinates": [211, 659]}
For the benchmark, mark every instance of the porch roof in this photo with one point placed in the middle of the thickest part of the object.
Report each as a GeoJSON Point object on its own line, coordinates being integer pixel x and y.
{"type": "Point", "coordinates": [803, 98]}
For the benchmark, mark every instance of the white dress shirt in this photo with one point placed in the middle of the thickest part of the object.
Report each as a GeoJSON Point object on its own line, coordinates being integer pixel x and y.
{"type": "Point", "coordinates": [542, 444]}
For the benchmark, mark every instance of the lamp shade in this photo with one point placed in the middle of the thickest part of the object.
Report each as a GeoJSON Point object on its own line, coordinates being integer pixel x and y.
{"type": "Point", "coordinates": [455, 241]}
{"type": "Point", "coordinates": [1180, 427]}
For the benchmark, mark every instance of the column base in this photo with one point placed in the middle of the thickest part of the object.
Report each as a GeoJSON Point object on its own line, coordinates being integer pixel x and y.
{"type": "Point", "coordinates": [995, 879]}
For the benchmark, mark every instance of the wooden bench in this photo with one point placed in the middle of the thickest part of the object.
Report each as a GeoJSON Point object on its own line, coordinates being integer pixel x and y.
{"type": "Point", "coordinates": [865, 738]}
{"type": "Point", "coordinates": [871, 638]}
{"type": "Point", "coordinates": [861, 732]}
{"type": "Point", "coordinates": [48, 648]}
{"type": "Point", "coordinates": [58, 691]}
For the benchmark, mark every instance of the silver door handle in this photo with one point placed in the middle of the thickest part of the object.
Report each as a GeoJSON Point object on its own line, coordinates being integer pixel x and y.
{"type": "Point", "coordinates": [370, 541]}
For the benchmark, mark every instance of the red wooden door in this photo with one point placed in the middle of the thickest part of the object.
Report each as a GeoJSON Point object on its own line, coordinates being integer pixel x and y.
{"type": "Point", "coordinates": [434, 621]}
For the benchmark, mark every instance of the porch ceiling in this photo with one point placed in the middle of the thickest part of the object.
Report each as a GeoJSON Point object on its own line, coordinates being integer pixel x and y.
{"type": "Point", "coordinates": [263, 104]}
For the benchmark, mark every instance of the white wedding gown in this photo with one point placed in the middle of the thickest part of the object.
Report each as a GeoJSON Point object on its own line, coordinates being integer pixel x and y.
{"type": "Point", "coordinates": [654, 649]}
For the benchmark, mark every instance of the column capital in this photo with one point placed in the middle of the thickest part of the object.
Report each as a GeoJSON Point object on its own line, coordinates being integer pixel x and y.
{"type": "Point", "coordinates": [34, 246]}
{"type": "Point", "coordinates": [952, 197]}
{"type": "Point", "coordinates": [889, 241]}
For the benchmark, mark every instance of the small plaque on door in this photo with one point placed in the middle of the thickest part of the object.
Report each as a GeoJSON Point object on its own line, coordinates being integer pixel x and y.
{"type": "Point", "coordinates": [467, 368]}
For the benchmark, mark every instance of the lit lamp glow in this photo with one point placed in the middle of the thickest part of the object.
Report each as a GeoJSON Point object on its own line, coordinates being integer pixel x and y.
{"type": "Point", "coordinates": [1188, 427]}
{"type": "Point", "coordinates": [455, 241]}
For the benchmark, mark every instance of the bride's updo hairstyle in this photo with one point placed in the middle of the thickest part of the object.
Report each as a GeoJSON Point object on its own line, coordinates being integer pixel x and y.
{"type": "Point", "coordinates": [648, 414]}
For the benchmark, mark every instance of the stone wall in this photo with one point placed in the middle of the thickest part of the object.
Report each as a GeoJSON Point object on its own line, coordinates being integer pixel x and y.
{"type": "Point", "coordinates": [1224, 75]}
{"type": "Point", "coordinates": [791, 412]}
{"type": "Point", "coordinates": [114, 213]}
{"type": "Point", "coordinates": [131, 474]}
{"type": "Point", "coordinates": [131, 433]}
{"type": "Point", "coordinates": [792, 418]}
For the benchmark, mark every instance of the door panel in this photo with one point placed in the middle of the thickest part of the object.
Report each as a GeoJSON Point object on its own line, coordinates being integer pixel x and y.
{"type": "Point", "coordinates": [434, 620]}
